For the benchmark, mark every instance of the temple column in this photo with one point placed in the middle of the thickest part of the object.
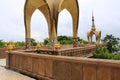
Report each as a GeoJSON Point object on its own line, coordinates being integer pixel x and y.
{"type": "Point", "coordinates": [75, 42]}
{"type": "Point", "coordinates": [27, 43]}
{"type": "Point", "coordinates": [54, 35]}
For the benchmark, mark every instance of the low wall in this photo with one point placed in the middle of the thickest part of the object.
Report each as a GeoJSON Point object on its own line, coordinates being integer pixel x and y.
{"type": "Point", "coordinates": [48, 67]}
{"type": "Point", "coordinates": [2, 53]}
{"type": "Point", "coordinates": [66, 50]}
{"type": "Point", "coordinates": [75, 52]}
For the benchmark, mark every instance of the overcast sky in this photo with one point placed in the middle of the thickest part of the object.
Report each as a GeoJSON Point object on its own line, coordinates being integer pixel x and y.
{"type": "Point", "coordinates": [106, 12]}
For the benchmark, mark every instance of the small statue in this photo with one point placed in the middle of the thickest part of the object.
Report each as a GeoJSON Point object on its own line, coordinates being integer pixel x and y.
{"type": "Point", "coordinates": [57, 45]}
{"type": "Point", "coordinates": [38, 46]}
{"type": "Point", "coordinates": [10, 47]}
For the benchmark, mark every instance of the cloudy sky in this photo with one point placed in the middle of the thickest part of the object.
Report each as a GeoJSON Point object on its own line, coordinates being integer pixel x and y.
{"type": "Point", "coordinates": [106, 12]}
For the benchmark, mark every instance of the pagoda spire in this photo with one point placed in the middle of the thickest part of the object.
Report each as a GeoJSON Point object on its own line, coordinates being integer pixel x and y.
{"type": "Point", "coordinates": [94, 32]}
{"type": "Point", "coordinates": [93, 23]}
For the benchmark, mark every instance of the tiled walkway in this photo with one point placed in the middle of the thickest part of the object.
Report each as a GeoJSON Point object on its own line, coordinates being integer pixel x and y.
{"type": "Point", "coordinates": [6, 74]}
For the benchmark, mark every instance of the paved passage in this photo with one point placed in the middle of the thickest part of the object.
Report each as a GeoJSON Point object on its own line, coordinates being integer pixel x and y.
{"type": "Point", "coordinates": [6, 74]}
{"type": "Point", "coordinates": [3, 62]}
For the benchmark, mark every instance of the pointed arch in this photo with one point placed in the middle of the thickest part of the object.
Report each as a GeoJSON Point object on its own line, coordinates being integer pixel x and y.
{"type": "Point", "coordinates": [51, 9]}
{"type": "Point", "coordinates": [39, 25]}
{"type": "Point", "coordinates": [97, 35]}
{"type": "Point", "coordinates": [74, 10]}
{"type": "Point", "coordinates": [65, 23]}
{"type": "Point", "coordinates": [94, 38]}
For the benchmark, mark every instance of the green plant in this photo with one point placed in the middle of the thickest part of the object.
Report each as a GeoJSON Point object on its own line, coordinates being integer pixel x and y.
{"type": "Point", "coordinates": [19, 44]}
{"type": "Point", "coordinates": [64, 40]}
{"type": "Point", "coordinates": [33, 42]}
{"type": "Point", "coordinates": [46, 41]}
{"type": "Point", "coordinates": [103, 53]}
{"type": "Point", "coordinates": [112, 43]}
{"type": "Point", "coordinates": [2, 43]}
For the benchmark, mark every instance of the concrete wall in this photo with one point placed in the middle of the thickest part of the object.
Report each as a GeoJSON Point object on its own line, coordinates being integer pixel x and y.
{"type": "Point", "coordinates": [47, 67]}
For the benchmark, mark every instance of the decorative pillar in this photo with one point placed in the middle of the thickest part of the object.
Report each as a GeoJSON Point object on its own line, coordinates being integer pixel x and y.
{"type": "Point", "coordinates": [27, 43]}
{"type": "Point", "coordinates": [75, 42]}
{"type": "Point", "coordinates": [54, 34]}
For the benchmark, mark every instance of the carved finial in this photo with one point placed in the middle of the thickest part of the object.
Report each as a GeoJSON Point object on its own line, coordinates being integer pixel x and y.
{"type": "Point", "coordinates": [93, 24]}
{"type": "Point", "coordinates": [38, 46]}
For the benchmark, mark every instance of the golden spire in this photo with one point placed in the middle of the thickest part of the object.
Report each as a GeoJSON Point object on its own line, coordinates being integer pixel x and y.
{"type": "Point", "coordinates": [93, 24]}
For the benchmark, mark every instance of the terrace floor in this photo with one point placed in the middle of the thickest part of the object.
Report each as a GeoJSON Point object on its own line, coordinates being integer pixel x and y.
{"type": "Point", "coordinates": [6, 74]}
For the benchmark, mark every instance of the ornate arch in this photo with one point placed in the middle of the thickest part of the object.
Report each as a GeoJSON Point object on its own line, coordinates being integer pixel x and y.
{"type": "Point", "coordinates": [97, 35]}
{"type": "Point", "coordinates": [29, 9]}
{"type": "Point", "coordinates": [51, 9]}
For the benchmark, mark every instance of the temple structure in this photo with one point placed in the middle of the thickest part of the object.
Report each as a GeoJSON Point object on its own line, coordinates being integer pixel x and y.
{"type": "Point", "coordinates": [94, 32]}
{"type": "Point", "coordinates": [51, 10]}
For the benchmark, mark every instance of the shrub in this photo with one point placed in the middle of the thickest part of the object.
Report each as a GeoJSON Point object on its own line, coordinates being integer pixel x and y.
{"type": "Point", "coordinates": [2, 44]}
{"type": "Point", "coordinates": [103, 53]}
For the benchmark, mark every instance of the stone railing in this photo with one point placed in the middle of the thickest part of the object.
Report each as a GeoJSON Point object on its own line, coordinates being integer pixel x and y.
{"type": "Point", "coordinates": [84, 51]}
{"type": "Point", "coordinates": [66, 50]}
{"type": "Point", "coordinates": [51, 67]}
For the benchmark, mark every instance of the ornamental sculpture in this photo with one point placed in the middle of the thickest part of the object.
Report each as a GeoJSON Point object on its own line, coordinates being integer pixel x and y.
{"type": "Point", "coordinates": [94, 32]}
{"type": "Point", "coordinates": [10, 47]}
{"type": "Point", "coordinates": [51, 10]}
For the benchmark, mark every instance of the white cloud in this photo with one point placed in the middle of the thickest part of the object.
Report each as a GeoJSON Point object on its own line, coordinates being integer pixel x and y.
{"type": "Point", "coordinates": [39, 27]}
{"type": "Point", "coordinates": [107, 17]}
{"type": "Point", "coordinates": [65, 23]}
{"type": "Point", "coordinates": [11, 32]}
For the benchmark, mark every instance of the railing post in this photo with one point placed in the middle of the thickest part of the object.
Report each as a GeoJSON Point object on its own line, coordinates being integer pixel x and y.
{"type": "Point", "coordinates": [7, 60]}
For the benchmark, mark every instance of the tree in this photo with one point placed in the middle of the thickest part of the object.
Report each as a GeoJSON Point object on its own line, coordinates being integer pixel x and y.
{"type": "Point", "coordinates": [46, 41]}
{"type": "Point", "coordinates": [2, 44]}
{"type": "Point", "coordinates": [19, 43]}
{"type": "Point", "coordinates": [111, 43]}
{"type": "Point", "coordinates": [33, 42]}
{"type": "Point", "coordinates": [117, 47]}
{"type": "Point", "coordinates": [103, 53]}
{"type": "Point", "coordinates": [64, 40]}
